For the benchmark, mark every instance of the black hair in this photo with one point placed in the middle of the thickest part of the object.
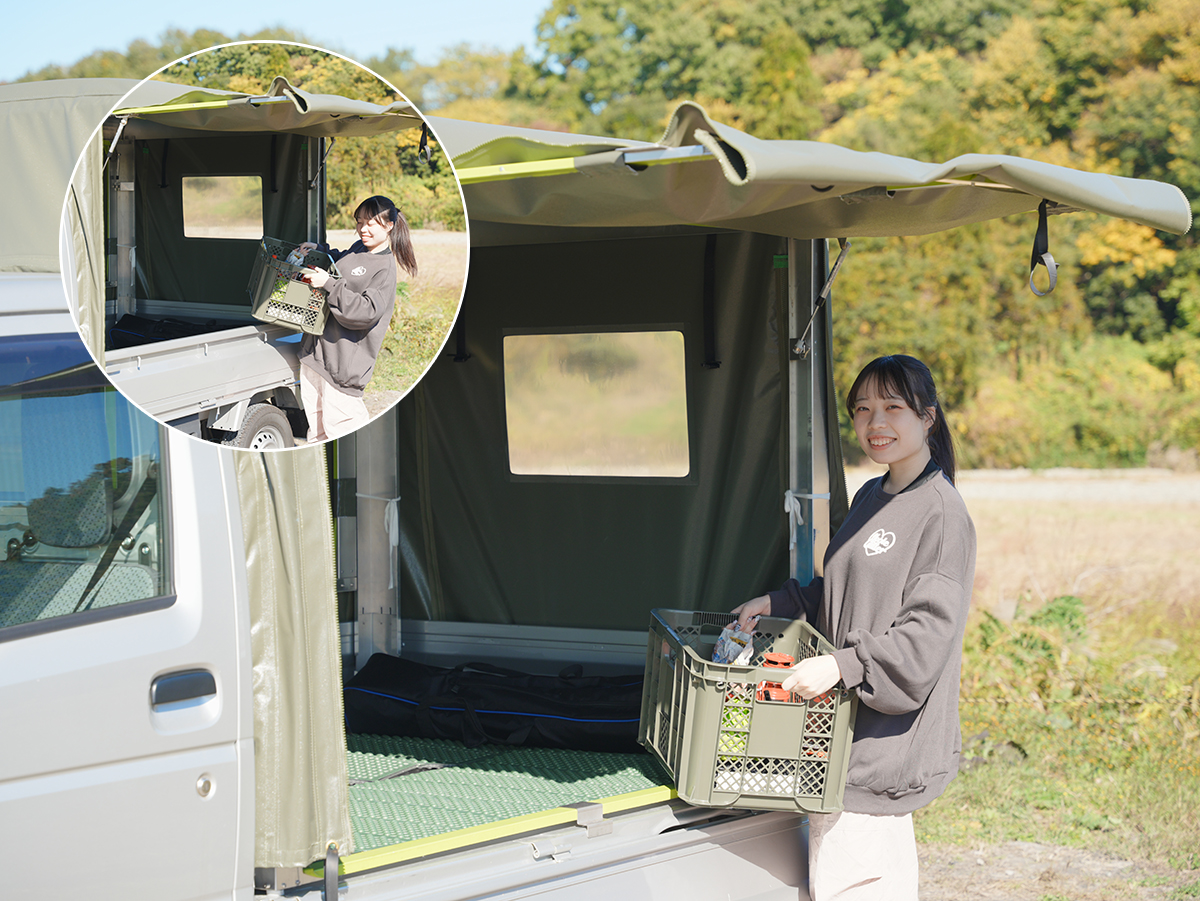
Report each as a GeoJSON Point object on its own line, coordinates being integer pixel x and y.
{"type": "Point", "coordinates": [400, 240]}
{"type": "Point", "coordinates": [909, 379]}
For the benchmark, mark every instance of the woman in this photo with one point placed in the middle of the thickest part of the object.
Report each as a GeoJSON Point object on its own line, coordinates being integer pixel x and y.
{"type": "Point", "coordinates": [336, 367]}
{"type": "Point", "coordinates": [893, 600]}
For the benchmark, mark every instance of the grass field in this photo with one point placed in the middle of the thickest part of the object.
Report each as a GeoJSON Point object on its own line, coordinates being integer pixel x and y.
{"type": "Point", "coordinates": [1081, 680]}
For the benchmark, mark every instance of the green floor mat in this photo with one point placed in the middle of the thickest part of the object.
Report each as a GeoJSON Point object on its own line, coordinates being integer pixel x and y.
{"type": "Point", "coordinates": [402, 789]}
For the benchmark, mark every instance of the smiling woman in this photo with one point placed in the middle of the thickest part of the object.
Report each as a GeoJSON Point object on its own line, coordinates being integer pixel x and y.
{"type": "Point", "coordinates": [894, 596]}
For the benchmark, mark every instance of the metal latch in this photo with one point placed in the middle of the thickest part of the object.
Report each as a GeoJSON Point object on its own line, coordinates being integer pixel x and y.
{"type": "Point", "coordinates": [554, 850]}
{"type": "Point", "coordinates": [590, 815]}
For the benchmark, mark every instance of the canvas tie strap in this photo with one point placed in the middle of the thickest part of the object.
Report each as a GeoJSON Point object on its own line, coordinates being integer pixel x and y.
{"type": "Point", "coordinates": [795, 510]}
{"type": "Point", "coordinates": [1041, 253]}
{"type": "Point", "coordinates": [391, 525]}
{"type": "Point", "coordinates": [332, 865]}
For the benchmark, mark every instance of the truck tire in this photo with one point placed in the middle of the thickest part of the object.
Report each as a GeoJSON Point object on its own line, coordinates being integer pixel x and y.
{"type": "Point", "coordinates": [266, 427]}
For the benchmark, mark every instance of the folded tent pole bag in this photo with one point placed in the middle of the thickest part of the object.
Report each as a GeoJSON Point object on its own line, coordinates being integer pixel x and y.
{"type": "Point", "coordinates": [477, 703]}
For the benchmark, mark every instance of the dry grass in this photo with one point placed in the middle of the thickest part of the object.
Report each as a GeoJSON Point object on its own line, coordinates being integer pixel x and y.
{"type": "Point", "coordinates": [1081, 732]}
{"type": "Point", "coordinates": [1115, 557]}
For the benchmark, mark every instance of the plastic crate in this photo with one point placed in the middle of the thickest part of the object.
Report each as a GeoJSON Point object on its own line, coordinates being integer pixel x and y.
{"type": "Point", "coordinates": [277, 297]}
{"type": "Point", "coordinates": [724, 738]}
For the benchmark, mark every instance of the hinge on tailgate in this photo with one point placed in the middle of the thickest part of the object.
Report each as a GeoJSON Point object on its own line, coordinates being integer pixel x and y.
{"type": "Point", "coordinates": [555, 851]}
{"type": "Point", "coordinates": [590, 815]}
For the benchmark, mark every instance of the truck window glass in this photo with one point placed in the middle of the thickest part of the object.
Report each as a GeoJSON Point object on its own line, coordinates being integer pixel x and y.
{"type": "Point", "coordinates": [222, 206]}
{"type": "Point", "coordinates": [596, 404]}
{"type": "Point", "coordinates": [81, 512]}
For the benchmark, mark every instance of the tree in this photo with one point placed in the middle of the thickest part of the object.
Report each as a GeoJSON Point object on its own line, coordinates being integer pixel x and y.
{"type": "Point", "coordinates": [624, 65]}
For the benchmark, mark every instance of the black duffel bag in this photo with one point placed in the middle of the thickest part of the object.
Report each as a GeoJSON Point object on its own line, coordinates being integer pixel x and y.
{"type": "Point", "coordinates": [478, 703]}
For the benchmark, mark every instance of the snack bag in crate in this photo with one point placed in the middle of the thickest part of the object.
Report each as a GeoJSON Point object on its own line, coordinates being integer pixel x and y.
{"type": "Point", "coordinates": [734, 646]}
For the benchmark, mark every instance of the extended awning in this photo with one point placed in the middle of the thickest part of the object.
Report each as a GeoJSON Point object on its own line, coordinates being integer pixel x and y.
{"type": "Point", "coordinates": [283, 108]}
{"type": "Point", "coordinates": [521, 183]}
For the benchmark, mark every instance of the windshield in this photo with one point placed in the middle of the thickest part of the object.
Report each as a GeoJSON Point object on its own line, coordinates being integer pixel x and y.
{"type": "Point", "coordinates": [80, 505]}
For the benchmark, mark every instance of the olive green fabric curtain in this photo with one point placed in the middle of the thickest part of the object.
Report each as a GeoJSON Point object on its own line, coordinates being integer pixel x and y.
{"type": "Point", "coordinates": [84, 268]}
{"type": "Point", "coordinates": [301, 781]}
{"type": "Point", "coordinates": [481, 545]}
{"type": "Point", "coordinates": [45, 125]}
{"type": "Point", "coordinates": [167, 260]}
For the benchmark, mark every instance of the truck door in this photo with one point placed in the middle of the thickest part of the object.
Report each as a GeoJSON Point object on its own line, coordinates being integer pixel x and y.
{"type": "Point", "coordinates": [126, 759]}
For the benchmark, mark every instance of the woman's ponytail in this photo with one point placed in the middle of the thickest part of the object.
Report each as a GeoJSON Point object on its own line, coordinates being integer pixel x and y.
{"type": "Point", "coordinates": [941, 443]}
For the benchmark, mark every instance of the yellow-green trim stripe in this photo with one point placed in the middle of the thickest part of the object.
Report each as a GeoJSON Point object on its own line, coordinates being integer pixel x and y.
{"type": "Point", "coordinates": [474, 835]}
{"type": "Point", "coordinates": [477, 174]}
{"type": "Point", "coordinates": [172, 108]}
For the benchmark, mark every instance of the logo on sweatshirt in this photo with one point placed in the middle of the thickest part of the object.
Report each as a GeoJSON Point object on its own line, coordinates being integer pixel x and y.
{"type": "Point", "coordinates": [359, 270]}
{"type": "Point", "coordinates": [880, 542]}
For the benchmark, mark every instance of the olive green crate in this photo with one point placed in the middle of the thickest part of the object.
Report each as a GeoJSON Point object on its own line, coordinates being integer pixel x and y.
{"type": "Point", "coordinates": [724, 745]}
{"type": "Point", "coordinates": [278, 298]}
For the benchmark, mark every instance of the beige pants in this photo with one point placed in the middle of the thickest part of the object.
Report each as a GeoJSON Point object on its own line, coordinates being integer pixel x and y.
{"type": "Point", "coordinates": [861, 857]}
{"type": "Point", "coordinates": [331, 413]}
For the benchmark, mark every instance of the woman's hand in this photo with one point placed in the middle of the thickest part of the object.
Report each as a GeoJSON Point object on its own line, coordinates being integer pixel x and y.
{"type": "Point", "coordinates": [751, 610]}
{"type": "Point", "coordinates": [813, 676]}
{"type": "Point", "coordinates": [315, 277]}
{"type": "Point", "coordinates": [308, 246]}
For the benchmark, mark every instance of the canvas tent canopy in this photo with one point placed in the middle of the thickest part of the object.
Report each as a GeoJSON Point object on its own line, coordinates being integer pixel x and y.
{"type": "Point", "coordinates": [710, 234]}
{"type": "Point", "coordinates": [181, 131]}
{"type": "Point", "coordinates": [49, 122]}
{"type": "Point", "coordinates": [705, 174]}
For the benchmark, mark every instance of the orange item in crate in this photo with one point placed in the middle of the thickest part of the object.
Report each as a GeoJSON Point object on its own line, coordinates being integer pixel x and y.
{"type": "Point", "coordinates": [772, 691]}
{"type": "Point", "coordinates": [778, 660]}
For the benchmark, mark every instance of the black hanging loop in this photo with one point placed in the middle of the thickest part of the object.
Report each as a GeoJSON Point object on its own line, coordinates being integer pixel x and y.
{"type": "Point", "coordinates": [162, 173]}
{"type": "Point", "coordinates": [709, 310]}
{"type": "Point", "coordinates": [423, 150]}
{"type": "Point", "coordinates": [1041, 253]}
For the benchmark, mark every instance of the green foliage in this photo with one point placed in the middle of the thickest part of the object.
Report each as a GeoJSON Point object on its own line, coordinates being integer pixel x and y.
{"type": "Point", "coordinates": [1077, 720]}
{"type": "Point", "coordinates": [1101, 403]}
{"type": "Point", "coordinates": [420, 325]}
{"type": "Point", "coordinates": [624, 64]}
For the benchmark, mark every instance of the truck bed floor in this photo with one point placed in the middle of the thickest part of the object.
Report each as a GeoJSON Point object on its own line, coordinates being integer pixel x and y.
{"type": "Point", "coordinates": [404, 789]}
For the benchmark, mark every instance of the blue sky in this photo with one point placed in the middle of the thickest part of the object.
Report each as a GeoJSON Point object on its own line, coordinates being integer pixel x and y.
{"type": "Point", "coordinates": [61, 33]}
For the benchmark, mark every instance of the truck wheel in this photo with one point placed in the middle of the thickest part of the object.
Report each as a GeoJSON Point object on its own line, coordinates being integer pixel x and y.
{"type": "Point", "coordinates": [265, 427]}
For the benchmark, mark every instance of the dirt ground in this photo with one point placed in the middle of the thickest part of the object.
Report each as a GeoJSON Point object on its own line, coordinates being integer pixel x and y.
{"type": "Point", "coordinates": [1027, 871]}
{"type": "Point", "coordinates": [1122, 536]}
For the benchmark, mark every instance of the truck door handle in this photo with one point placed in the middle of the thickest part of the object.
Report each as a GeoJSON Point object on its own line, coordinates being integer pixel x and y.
{"type": "Point", "coordinates": [186, 685]}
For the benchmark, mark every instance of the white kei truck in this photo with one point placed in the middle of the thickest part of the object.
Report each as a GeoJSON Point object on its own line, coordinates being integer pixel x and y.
{"type": "Point", "coordinates": [636, 411]}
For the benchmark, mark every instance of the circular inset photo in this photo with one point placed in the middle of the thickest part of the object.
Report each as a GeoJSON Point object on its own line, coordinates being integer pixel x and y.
{"type": "Point", "coordinates": [263, 244]}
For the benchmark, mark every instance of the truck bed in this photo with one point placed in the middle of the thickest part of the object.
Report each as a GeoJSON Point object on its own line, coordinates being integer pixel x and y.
{"type": "Point", "coordinates": [184, 376]}
{"type": "Point", "coordinates": [406, 790]}
{"type": "Point", "coordinates": [520, 823]}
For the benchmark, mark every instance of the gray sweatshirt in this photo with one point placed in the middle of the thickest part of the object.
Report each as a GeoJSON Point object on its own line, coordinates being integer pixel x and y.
{"type": "Point", "coordinates": [893, 600]}
{"type": "Point", "coordinates": [360, 312]}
